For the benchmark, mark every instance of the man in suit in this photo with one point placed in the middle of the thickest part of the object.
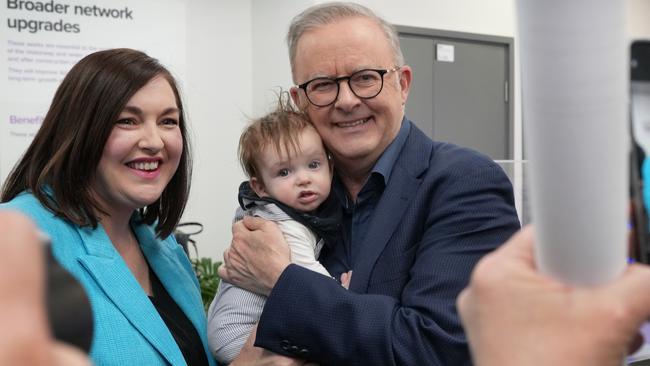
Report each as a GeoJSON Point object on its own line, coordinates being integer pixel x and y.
{"type": "Point", "coordinates": [418, 214]}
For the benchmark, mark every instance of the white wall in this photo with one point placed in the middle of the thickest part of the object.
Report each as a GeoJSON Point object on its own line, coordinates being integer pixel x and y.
{"type": "Point", "coordinates": [271, 70]}
{"type": "Point", "coordinates": [217, 92]}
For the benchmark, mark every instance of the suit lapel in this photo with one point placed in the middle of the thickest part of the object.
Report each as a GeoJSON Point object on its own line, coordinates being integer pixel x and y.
{"type": "Point", "coordinates": [110, 272]}
{"type": "Point", "coordinates": [400, 191]}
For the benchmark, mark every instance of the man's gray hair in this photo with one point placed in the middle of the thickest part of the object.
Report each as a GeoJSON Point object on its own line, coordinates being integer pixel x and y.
{"type": "Point", "coordinates": [326, 13]}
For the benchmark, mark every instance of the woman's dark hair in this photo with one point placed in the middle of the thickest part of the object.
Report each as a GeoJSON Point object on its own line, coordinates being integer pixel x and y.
{"type": "Point", "coordinates": [61, 162]}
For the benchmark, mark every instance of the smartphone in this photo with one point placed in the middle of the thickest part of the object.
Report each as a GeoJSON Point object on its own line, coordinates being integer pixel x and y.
{"type": "Point", "coordinates": [640, 151]}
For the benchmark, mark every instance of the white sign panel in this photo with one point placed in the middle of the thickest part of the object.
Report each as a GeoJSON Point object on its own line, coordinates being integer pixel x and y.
{"type": "Point", "coordinates": [444, 52]}
{"type": "Point", "coordinates": [41, 40]}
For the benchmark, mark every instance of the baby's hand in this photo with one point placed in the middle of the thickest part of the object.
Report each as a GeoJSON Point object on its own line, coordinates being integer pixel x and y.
{"type": "Point", "coordinates": [346, 278]}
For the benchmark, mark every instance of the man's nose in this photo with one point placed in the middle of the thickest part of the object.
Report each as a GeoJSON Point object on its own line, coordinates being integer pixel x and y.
{"type": "Point", "coordinates": [346, 99]}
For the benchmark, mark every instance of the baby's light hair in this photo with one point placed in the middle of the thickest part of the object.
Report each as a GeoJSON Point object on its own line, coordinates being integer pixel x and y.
{"type": "Point", "coordinates": [281, 129]}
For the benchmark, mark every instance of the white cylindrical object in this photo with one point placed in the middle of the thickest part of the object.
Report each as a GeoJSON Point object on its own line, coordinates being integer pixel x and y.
{"type": "Point", "coordinates": [574, 86]}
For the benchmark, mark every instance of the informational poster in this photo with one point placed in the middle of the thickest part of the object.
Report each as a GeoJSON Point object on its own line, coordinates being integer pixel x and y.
{"type": "Point", "coordinates": [41, 40]}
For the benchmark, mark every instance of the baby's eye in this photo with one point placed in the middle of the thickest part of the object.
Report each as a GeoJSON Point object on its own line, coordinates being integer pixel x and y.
{"type": "Point", "coordinates": [283, 172]}
{"type": "Point", "coordinates": [314, 164]}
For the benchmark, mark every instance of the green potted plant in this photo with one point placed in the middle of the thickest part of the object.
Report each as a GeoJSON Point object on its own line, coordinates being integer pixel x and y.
{"type": "Point", "coordinates": [206, 272]}
{"type": "Point", "coordinates": [204, 267]}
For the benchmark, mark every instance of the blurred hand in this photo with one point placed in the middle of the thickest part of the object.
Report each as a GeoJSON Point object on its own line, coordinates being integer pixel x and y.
{"type": "Point", "coordinates": [513, 315]}
{"type": "Point", "coordinates": [24, 335]}
{"type": "Point", "coordinates": [256, 257]}
{"type": "Point", "coordinates": [346, 278]}
{"type": "Point", "coordinates": [22, 301]}
{"type": "Point", "coordinates": [63, 354]}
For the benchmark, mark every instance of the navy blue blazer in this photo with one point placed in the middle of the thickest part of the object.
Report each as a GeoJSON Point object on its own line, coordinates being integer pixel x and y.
{"type": "Point", "coordinates": [442, 210]}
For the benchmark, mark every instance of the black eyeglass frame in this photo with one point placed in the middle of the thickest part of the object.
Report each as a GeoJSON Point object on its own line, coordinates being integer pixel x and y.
{"type": "Point", "coordinates": [338, 80]}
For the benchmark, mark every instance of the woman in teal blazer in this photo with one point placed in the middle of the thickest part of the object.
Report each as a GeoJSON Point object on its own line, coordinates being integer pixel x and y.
{"type": "Point", "coordinates": [107, 178]}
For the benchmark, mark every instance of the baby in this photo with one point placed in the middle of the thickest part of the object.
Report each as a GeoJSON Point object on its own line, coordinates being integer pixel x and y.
{"type": "Point", "coordinates": [290, 179]}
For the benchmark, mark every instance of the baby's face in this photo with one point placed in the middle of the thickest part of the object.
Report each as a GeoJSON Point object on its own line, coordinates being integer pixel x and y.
{"type": "Point", "coordinates": [301, 180]}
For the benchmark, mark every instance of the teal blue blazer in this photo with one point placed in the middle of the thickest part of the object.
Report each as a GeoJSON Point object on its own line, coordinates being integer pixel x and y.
{"type": "Point", "coordinates": [128, 329]}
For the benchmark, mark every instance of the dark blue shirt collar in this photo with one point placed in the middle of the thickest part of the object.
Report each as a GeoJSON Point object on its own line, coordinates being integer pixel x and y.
{"type": "Point", "coordinates": [384, 166]}
{"type": "Point", "coordinates": [386, 162]}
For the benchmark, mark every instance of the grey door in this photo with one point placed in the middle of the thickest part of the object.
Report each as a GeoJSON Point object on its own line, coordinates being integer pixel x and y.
{"type": "Point", "coordinates": [460, 90]}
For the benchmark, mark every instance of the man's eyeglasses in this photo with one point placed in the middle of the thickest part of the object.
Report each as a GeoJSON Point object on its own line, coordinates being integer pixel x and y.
{"type": "Point", "coordinates": [365, 84]}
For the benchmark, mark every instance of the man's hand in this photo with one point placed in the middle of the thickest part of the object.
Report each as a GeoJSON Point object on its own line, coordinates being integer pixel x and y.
{"type": "Point", "coordinates": [513, 315]}
{"type": "Point", "coordinates": [256, 257]}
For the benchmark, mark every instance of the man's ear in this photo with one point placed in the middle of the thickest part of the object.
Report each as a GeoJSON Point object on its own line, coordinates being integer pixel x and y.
{"type": "Point", "coordinates": [405, 78]}
{"type": "Point", "coordinates": [258, 187]}
{"type": "Point", "coordinates": [298, 98]}
{"type": "Point", "coordinates": [295, 95]}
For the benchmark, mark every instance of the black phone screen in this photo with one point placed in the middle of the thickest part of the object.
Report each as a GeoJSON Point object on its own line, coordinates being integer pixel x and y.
{"type": "Point", "coordinates": [640, 153]}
